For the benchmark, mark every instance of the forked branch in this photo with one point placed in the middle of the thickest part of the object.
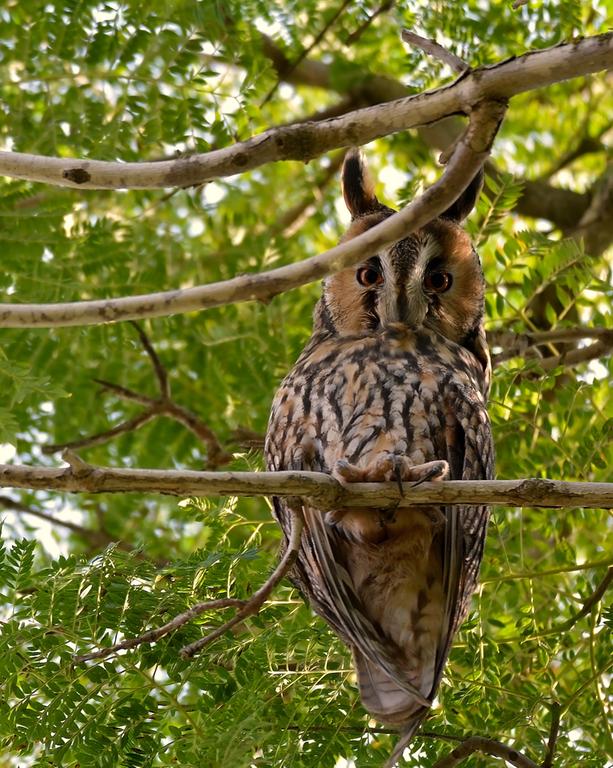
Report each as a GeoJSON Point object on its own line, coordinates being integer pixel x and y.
{"type": "Point", "coordinates": [163, 405]}
{"type": "Point", "coordinates": [245, 608]}
{"type": "Point", "coordinates": [469, 155]}
{"type": "Point", "coordinates": [305, 141]}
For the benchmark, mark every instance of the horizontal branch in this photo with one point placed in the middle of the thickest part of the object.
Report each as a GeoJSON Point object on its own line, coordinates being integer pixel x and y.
{"type": "Point", "coordinates": [323, 490]}
{"type": "Point", "coordinates": [305, 141]}
{"type": "Point", "coordinates": [468, 157]}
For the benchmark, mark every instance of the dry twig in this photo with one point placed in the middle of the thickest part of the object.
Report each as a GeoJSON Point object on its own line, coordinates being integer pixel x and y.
{"type": "Point", "coordinates": [153, 635]}
{"type": "Point", "coordinates": [436, 50]}
{"type": "Point", "coordinates": [163, 405]}
{"type": "Point", "coordinates": [246, 608]}
{"type": "Point", "coordinates": [256, 601]}
{"type": "Point", "coordinates": [487, 747]}
{"type": "Point", "coordinates": [553, 735]}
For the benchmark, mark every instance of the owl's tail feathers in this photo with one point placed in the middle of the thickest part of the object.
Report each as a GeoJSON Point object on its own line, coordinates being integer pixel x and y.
{"type": "Point", "coordinates": [407, 733]}
{"type": "Point", "coordinates": [385, 698]}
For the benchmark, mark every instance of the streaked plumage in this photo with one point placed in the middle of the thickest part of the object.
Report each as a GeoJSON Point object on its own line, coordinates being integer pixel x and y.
{"type": "Point", "coordinates": [392, 385]}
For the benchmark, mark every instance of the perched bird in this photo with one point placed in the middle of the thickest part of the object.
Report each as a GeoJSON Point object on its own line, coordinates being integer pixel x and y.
{"type": "Point", "coordinates": [392, 385]}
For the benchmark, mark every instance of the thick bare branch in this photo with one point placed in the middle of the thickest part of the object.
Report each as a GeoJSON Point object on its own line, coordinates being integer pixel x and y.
{"type": "Point", "coordinates": [563, 207]}
{"type": "Point", "coordinates": [487, 747]}
{"type": "Point", "coordinates": [322, 489]}
{"type": "Point", "coordinates": [469, 155]}
{"type": "Point", "coordinates": [303, 142]}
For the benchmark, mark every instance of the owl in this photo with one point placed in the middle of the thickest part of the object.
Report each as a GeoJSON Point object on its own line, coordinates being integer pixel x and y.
{"type": "Point", "coordinates": [392, 386]}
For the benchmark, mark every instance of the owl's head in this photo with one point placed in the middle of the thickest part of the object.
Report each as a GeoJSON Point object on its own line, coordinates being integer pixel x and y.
{"type": "Point", "coordinates": [431, 279]}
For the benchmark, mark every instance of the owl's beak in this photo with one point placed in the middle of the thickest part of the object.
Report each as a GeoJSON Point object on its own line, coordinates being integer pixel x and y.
{"type": "Point", "coordinates": [411, 307]}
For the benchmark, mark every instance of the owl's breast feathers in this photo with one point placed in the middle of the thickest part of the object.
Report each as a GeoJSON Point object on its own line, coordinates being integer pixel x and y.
{"type": "Point", "coordinates": [394, 584]}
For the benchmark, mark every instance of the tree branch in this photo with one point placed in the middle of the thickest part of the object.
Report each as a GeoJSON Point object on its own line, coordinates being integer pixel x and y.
{"type": "Point", "coordinates": [245, 608]}
{"type": "Point", "coordinates": [153, 635]}
{"type": "Point", "coordinates": [163, 405]}
{"type": "Point", "coordinates": [553, 735]}
{"type": "Point", "coordinates": [434, 49]}
{"type": "Point", "coordinates": [322, 489]}
{"type": "Point", "coordinates": [256, 601]}
{"type": "Point", "coordinates": [522, 344]}
{"type": "Point", "coordinates": [469, 155]}
{"type": "Point", "coordinates": [487, 747]}
{"type": "Point", "coordinates": [303, 142]}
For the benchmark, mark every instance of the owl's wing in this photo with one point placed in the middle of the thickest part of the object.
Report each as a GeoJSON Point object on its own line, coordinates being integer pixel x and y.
{"type": "Point", "coordinates": [331, 592]}
{"type": "Point", "coordinates": [471, 457]}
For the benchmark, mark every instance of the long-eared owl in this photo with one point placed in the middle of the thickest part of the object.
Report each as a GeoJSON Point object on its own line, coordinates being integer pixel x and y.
{"type": "Point", "coordinates": [392, 385]}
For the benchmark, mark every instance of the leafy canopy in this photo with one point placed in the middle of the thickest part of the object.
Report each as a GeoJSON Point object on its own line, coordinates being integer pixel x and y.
{"type": "Point", "coordinates": [141, 81]}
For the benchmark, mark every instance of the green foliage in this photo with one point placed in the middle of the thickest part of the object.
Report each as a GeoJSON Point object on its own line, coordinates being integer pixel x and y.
{"type": "Point", "coordinates": [140, 81]}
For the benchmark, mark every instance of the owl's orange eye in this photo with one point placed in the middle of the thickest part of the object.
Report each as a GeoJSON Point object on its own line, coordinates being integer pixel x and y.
{"type": "Point", "coordinates": [438, 282]}
{"type": "Point", "coordinates": [369, 276]}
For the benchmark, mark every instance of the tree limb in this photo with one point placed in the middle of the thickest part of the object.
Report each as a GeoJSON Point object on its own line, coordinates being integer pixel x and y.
{"type": "Point", "coordinates": [538, 199]}
{"type": "Point", "coordinates": [487, 747]}
{"type": "Point", "coordinates": [468, 157]}
{"type": "Point", "coordinates": [322, 489]}
{"type": "Point", "coordinates": [303, 142]}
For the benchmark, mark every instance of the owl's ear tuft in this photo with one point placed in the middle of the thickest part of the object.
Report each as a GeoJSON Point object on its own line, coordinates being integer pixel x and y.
{"type": "Point", "coordinates": [358, 185]}
{"type": "Point", "coordinates": [459, 210]}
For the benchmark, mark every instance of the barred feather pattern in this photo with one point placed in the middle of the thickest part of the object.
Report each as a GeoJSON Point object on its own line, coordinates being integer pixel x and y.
{"type": "Point", "coordinates": [392, 385]}
{"type": "Point", "coordinates": [397, 601]}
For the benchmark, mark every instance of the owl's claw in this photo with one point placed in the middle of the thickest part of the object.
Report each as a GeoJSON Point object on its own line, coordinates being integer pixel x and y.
{"type": "Point", "coordinates": [390, 466]}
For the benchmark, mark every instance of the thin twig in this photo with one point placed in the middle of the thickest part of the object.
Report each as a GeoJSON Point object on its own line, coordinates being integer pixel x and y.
{"type": "Point", "coordinates": [357, 34]}
{"type": "Point", "coordinates": [160, 371]}
{"type": "Point", "coordinates": [253, 605]}
{"type": "Point", "coordinates": [589, 602]}
{"type": "Point", "coordinates": [565, 626]}
{"type": "Point", "coordinates": [432, 48]}
{"type": "Point", "coordinates": [305, 51]}
{"type": "Point", "coordinates": [487, 747]}
{"type": "Point", "coordinates": [153, 635]}
{"type": "Point", "coordinates": [124, 393]}
{"type": "Point", "coordinates": [130, 425]}
{"type": "Point", "coordinates": [553, 735]}
{"type": "Point", "coordinates": [154, 407]}
{"type": "Point", "coordinates": [322, 489]}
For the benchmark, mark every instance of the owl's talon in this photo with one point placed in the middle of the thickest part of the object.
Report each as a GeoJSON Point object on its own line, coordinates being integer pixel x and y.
{"type": "Point", "coordinates": [432, 471]}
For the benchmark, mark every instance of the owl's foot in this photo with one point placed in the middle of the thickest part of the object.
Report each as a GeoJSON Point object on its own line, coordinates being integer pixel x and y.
{"type": "Point", "coordinates": [375, 526]}
{"type": "Point", "coordinates": [390, 466]}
